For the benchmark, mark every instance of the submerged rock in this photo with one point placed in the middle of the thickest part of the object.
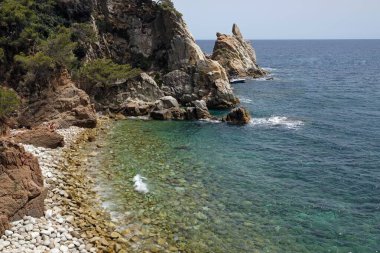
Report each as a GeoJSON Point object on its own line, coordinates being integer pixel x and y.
{"type": "Point", "coordinates": [238, 116]}
{"type": "Point", "coordinates": [22, 189]}
{"type": "Point", "coordinates": [236, 55]}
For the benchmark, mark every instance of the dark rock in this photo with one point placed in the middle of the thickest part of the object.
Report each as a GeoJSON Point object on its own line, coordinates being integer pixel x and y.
{"type": "Point", "coordinates": [238, 116]}
{"type": "Point", "coordinates": [161, 115]}
{"type": "Point", "coordinates": [22, 190]}
{"type": "Point", "coordinates": [137, 108]}
{"type": "Point", "coordinates": [39, 137]}
{"type": "Point", "coordinates": [201, 109]}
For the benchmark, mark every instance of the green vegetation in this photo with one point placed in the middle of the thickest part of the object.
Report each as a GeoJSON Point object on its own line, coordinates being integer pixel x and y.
{"type": "Point", "coordinates": [8, 101]}
{"type": "Point", "coordinates": [104, 72]}
{"type": "Point", "coordinates": [3, 59]}
{"type": "Point", "coordinates": [168, 5]}
{"type": "Point", "coordinates": [60, 48]}
{"type": "Point", "coordinates": [24, 22]}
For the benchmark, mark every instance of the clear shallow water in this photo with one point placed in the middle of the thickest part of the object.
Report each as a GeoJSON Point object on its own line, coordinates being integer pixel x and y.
{"type": "Point", "coordinates": [304, 176]}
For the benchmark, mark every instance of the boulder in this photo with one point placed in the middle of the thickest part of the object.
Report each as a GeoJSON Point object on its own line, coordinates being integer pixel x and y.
{"type": "Point", "coordinates": [22, 190]}
{"type": "Point", "coordinates": [39, 137]}
{"type": "Point", "coordinates": [169, 102]}
{"type": "Point", "coordinates": [238, 116]}
{"type": "Point", "coordinates": [137, 108]}
{"type": "Point", "coordinates": [236, 55]}
{"type": "Point", "coordinates": [201, 111]}
{"type": "Point", "coordinates": [161, 115]}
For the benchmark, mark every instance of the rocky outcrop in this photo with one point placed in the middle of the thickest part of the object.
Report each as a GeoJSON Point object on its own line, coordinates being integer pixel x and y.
{"type": "Point", "coordinates": [125, 96]}
{"type": "Point", "coordinates": [61, 103]}
{"type": "Point", "coordinates": [22, 190]}
{"type": "Point", "coordinates": [236, 55]}
{"type": "Point", "coordinates": [40, 137]}
{"type": "Point", "coordinates": [238, 116]}
{"type": "Point", "coordinates": [157, 39]}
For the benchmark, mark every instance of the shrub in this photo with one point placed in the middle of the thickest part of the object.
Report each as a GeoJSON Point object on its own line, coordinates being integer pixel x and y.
{"type": "Point", "coordinates": [104, 72]}
{"type": "Point", "coordinates": [60, 48]}
{"type": "Point", "coordinates": [3, 58]}
{"type": "Point", "coordinates": [38, 63]}
{"type": "Point", "coordinates": [24, 22]}
{"type": "Point", "coordinates": [168, 5]}
{"type": "Point", "coordinates": [9, 101]}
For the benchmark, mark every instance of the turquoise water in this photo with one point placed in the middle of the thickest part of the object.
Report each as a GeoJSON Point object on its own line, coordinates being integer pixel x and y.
{"type": "Point", "coordinates": [304, 176]}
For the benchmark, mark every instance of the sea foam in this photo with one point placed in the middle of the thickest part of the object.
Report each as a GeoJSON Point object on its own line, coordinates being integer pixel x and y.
{"type": "Point", "coordinates": [140, 185]}
{"type": "Point", "coordinates": [277, 121]}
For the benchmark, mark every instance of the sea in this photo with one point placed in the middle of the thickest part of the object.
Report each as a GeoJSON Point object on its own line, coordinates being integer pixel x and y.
{"type": "Point", "coordinates": [302, 176]}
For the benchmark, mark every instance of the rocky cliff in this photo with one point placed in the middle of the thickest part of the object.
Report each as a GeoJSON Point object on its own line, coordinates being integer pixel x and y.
{"type": "Point", "coordinates": [22, 190]}
{"type": "Point", "coordinates": [236, 55]}
{"type": "Point", "coordinates": [147, 35]}
{"type": "Point", "coordinates": [60, 103]}
{"type": "Point", "coordinates": [156, 39]}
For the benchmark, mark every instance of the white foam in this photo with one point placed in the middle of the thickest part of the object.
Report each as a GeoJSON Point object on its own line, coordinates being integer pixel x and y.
{"type": "Point", "coordinates": [277, 121]}
{"type": "Point", "coordinates": [269, 69]}
{"type": "Point", "coordinates": [140, 185]}
{"type": "Point", "coordinates": [245, 100]}
{"type": "Point", "coordinates": [214, 121]}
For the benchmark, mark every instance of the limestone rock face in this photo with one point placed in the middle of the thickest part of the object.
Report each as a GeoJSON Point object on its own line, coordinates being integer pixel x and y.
{"type": "Point", "coordinates": [62, 104]}
{"type": "Point", "coordinates": [238, 116]}
{"type": "Point", "coordinates": [40, 137]}
{"type": "Point", "coordinates": [115, 97]}
{"type": "Point", "coordinates": [236, 55]}
{"type": "Point", "coordinates": [154, 38]}
{"type": "Point", "coordinates": [22, 190]}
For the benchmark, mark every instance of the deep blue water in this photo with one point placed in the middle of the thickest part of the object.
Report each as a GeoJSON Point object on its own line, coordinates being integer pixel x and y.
{"type": "Point", "coordinates": [304, 176]}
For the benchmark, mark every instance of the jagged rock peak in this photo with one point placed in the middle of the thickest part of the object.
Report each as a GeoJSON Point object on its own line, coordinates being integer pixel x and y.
{"type": "Point", "coordinates": [236, 55]}
{"type": "Point", "coordinates": [236, 31]}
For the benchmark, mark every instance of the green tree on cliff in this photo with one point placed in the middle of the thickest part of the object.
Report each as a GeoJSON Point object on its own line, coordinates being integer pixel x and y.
{"type": "Point", "coordinates": [9, 102]}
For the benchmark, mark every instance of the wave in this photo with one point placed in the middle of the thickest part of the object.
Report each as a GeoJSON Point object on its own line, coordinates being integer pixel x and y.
{"type": "Point", "coordinates": [245, 100]}
{"type": "Point", "coordinates": [277, 121]}
{"type": "Point", "coordinates": [140, 185]}
{"type": "Point", "coordinates": [214, 121]}
{"type": "Point", "coordinates": [269, 69]}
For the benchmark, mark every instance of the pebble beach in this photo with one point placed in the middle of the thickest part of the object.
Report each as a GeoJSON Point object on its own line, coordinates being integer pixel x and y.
{"type": "Point", "coordinates": [71, 223]}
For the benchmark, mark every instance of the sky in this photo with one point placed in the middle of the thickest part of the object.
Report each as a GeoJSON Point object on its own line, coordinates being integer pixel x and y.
{"type": "Point", "coordinates": [283, 19]}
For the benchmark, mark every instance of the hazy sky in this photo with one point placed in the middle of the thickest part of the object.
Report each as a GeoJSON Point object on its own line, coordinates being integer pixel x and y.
{"type": "Point", "coordinates": [284, 19]}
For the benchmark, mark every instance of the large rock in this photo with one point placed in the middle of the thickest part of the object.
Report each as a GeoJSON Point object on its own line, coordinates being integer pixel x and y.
{"type": "Point", "coordinates": [39, 137]}
{"type": "Point", "coordinates": [238, 116]}
{"type": "Point", "coordinates": [236, 55]}
{"type": "Point", "coordinates": [123, 95]}
{"type": "Point", "coordinates": [201, 110]}
{"type": "Point", "coordinates": [157, 39]}
{"type": "Point", "coordinates": [61, 103]}
{"type": "Point", "coordinates": [22, 190]}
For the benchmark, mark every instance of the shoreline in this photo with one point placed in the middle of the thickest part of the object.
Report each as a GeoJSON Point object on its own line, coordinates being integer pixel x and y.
{"type": "Point", "coordinates": [74, 218]}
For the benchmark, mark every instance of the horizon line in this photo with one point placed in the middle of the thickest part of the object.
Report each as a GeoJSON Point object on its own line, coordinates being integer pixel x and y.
{"type": "Point", "coordinates": [305, 39]}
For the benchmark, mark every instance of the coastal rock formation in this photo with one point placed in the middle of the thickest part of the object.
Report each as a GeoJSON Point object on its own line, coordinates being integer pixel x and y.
{"type": "Point", "coordinates": [236, 55]}
{"type": "Point", "coordinates": [154, 38]}
{"type": "Point", "coordinates": [238, 116]}
{"type": "Point", "coordinates": [40, 137]}
{"type": "Point", "coordinates": [22, 190]}
{"type": "Point", "coordinates": [62, 103]}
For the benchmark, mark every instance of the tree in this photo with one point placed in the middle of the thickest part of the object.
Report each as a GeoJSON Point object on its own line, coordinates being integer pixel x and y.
{"type": "Point", "coordinates": [9, 102]}
{"type": "Point", "coordinates": [104, 72]}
